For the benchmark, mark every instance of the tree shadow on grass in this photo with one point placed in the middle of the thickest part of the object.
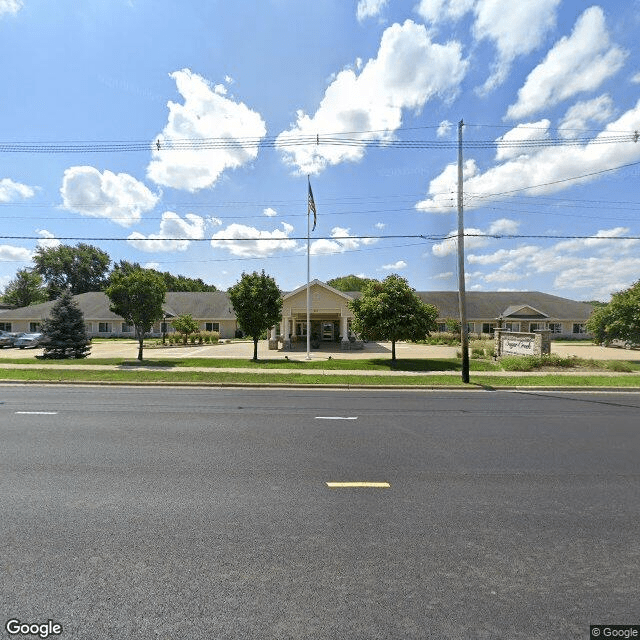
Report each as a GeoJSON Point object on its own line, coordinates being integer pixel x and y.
{"type": "Point", "coordinates": [151, 364]}
{"type": "Point", "coordinates": [418, 364]}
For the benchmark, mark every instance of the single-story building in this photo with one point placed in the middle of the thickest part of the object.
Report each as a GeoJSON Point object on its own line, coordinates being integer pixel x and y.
{"type": "Point", "coordinates": [330, 314]}
{"type": "Point", "coordinates": [211, 309]}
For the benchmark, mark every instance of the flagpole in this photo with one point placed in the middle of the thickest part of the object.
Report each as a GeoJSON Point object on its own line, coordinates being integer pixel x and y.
{"type": "Point", "coordinates": [308, 278]}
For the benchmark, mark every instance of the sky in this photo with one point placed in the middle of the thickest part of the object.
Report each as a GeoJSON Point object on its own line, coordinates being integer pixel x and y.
{"type": "Point", "coordinates": [183, 136]}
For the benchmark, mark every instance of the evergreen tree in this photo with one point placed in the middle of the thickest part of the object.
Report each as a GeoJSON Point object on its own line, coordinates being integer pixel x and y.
{"type": "Point", "coordinates": [65, 330]}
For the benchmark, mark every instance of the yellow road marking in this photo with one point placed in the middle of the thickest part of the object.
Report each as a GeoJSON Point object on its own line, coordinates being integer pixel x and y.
{"type": "Point", "coordinates": [343, 485]}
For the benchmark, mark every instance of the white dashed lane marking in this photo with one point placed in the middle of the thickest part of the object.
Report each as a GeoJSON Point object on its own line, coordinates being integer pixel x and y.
{"type": "Point", "coordinates": [336, 417]}
{"type": "Point", "coordinates": [37, 413]}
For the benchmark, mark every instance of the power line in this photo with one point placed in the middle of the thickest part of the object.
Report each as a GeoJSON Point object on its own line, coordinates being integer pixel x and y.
{"type": "Point", "coordinates": [426, 237]}
{"type": "Point", "coordinates": [283, 141]}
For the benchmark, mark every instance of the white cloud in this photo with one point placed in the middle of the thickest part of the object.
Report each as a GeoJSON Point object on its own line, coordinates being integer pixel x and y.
{"type": "Point", "coordinates": [396, 266]}
{"type": "Point", "coordinates": [10, 7]}
{"type": "Point", "coordinates": [10, 190]}
{"type": "Point", "coordinates": [445, 275]}
{"type": "Point", "coordinates": [48, 239]}
{"type": "Point", "coordinates": [444, 188]}
{"type": "Point", "coordinates": [9, 253]}
{"type": "Point", "coordinates": [370, 8]}
{"type": "Point", "coordinates": [408, 71]}
{"type": "Point", "coordinates": [270, 213]}
{"type": "Point", "coordinates": [204, 114]}
{"type": "Point", "coordinates": [578, 116]}
{"type": "Point", "coordinates": [588, 268]}
{"type": "Point", "coordinates": [554, 167]}
{"type": "Point", "coordinates": [517, 31]}
{"type": "Point", "coordinates": [474, 238]}
{"type": "Point", "coordinates": [380, 225]}
{"type": "Point", "coordinates": [117, 197]}
{"type": "Point", "coordinates": [635, 78]}
{"type": "Point", "coordinates": [439, 10]}
{"type": "Point", "coordinates": [243, 240]}
{"type": "Point", "coordinates": [343, 241]}
{"type": "Point", "coordinates": [444, 129]}
{"type": "Point", "coordinates": [578, 63]}
{"type": "Point", "coordinates": [508, 146]}
{"type": "Point", "coordinates": [175, 233]}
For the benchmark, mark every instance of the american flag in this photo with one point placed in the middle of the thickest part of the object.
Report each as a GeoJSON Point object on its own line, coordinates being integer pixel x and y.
{"type": "Point", "coordinates": [312, 206]}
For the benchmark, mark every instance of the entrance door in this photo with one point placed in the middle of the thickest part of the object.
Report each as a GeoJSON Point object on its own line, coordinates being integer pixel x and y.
{"type": "Point", "coordinates": [327, 331]}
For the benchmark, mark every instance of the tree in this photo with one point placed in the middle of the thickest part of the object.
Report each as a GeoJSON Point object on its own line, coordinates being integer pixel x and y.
{"type": "Point", "coordinates": [391, 310]}
{"type": "Point", "coordinates": [257, 303]}
{"type": "Point", "coordinates": [172, 283]}
{"type": "Point", "coordinates": [80, 269]}
{"type": "Point", "coordinates": [350, 283]}
{"type": "Point", "coordinates": [25, 289]}
{"type": "Point", "coordinates": [138, 298]}
{"type": "Point", "coordinates": [618, 320]}
{"type": "Point", "coordinates": [185, 325]}
{"type": "Point", "coordinates": [65, 330]}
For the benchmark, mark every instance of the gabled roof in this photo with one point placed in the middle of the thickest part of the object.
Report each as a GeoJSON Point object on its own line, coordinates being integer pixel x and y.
{"type": "Point", "coordinates": [490, 305]}
{"type": "Point", "coordinates": [215, 305]}
{"type": "Point", "coordinates": [522, 311]}
{"type": "Point", "coordinates": [324, 285]}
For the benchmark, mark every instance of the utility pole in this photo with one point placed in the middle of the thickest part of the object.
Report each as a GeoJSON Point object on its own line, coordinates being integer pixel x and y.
{"type": "Point", "coordinates": [462, 301]}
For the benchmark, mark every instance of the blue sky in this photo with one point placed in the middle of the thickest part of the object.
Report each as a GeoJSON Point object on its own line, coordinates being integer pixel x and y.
{"type": "Point", "coordinates": [260, 94]}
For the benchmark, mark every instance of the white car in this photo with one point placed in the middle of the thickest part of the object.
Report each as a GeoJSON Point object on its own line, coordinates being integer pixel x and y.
{"type": "Point", "coordinates": [29, 341]}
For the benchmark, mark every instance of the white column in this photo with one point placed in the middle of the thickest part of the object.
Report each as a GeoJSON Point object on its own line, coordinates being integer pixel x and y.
{"type": "Point", "coordinates": [344, 328]}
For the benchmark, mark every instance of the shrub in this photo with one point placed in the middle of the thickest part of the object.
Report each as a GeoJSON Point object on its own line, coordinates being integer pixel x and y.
{"type": "Point", "coordinates": [620, 366]}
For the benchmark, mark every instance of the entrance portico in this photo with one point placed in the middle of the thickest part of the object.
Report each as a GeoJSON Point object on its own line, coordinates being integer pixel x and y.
{"type": "Point", "coordinates": [329, 313]}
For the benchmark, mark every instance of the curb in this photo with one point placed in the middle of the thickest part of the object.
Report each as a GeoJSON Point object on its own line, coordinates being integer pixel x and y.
{"type": "Point", "coordinates": [472, 387]}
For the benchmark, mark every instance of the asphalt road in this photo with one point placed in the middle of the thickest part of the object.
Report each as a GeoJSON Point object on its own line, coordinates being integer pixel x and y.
{"type": "Point", "coordinates": [193, 513]}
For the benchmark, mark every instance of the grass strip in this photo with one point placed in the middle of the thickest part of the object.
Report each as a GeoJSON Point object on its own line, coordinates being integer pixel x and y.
{"type": "Point", "coordinates": [371, 364]}
{"type": "Point", "coordinates": [221, 377]}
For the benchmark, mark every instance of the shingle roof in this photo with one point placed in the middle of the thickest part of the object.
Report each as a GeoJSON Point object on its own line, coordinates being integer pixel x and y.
{"type": "Point", "coordinates": [215, 305]}
{"type": "Point", "coordinates": [492, 304]}
{"type": "Point", "coordinates": [95, 306]}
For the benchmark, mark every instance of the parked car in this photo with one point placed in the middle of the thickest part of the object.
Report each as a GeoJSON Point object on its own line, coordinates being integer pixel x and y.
{"type": "Point", "coordinates": [7, 339]}
{"type": "Point", "coordinates": [29, 340]}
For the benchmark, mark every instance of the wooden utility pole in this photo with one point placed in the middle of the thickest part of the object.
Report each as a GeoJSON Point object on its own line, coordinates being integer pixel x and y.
{"type": "Point", "coordinates": [462, 301]}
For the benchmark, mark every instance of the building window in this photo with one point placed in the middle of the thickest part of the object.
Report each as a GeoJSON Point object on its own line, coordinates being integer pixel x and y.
{"type": "Point", "coordinates": [442, 327]}
{"type": "Point", "coordinates": [5, 326]}
{"type": "Point", "coordinates": [127, 328]}
{"type": "Point", "coordinates": [212, 326]}
{"type": "Point", "coordinates": [578, 327]}
{"type": "Point", "coordinates": [555, 327]}
{"type": "Point", "coordinates": [471, 327]}
{"type": "Point", "coordinates": [512, 326]}
{"type": "Point", "coordinates": [34, 327]}
{"type": "Point", "coordinates": [301, 329]}
{"type": "Point", "coordinates": [488, 327]}
{"type": "Point", "coordinates": [104, 327]}
{"type": "Point", "coordinates": [537, 326]}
